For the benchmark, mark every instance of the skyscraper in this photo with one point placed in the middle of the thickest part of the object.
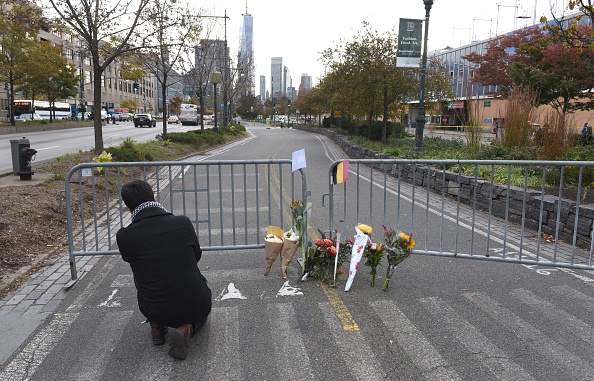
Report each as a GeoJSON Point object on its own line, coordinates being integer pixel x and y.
{"type": "Point", "coordinates": [245, 61]}
{"type": "Point", "coordinates": [276, 77]}
{"type": "Point", "coordinates": [305, 82]}
{"type": "Point", "coordinates": [262, 88]}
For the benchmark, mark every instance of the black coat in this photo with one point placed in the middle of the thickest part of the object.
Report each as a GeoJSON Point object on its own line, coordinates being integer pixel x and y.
{"type": "Point", "coordinates": [163, 252]}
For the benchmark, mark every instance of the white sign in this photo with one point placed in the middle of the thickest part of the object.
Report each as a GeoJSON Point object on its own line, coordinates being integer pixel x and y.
{"type": "Point", "coordinates": [298, 160]}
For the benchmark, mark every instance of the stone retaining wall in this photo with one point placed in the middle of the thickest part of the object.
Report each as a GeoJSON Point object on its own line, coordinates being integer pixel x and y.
{"type": "Point", "coordinates": [479, 193]}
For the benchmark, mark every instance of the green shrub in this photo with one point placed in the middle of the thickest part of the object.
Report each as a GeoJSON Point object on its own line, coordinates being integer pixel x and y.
{"type": "Point", "coordinates": [123, 154]}
{"type": "Point", "coordinates": [194, 137]}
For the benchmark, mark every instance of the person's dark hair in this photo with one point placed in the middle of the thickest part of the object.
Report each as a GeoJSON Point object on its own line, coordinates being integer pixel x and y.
{"type": "Point", "coordinates": [136, 192]}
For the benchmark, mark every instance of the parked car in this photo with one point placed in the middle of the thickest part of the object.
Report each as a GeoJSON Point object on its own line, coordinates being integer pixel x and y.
{"type": "Point", "coordinates": [144, 120]}
{"type": "Point", "coordinates": [104, 115]}
{"type": "Point", "coordinates": [27, 117]}
{"type": "Point", "coordinates": [127, 116]}
{"type": "Point", "coordinates": [173, 119]}
{"type": "Point", "coordinates": [122, 117]}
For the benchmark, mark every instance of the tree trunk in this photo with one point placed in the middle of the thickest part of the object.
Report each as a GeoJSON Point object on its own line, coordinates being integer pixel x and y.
{"type": "Point", "coordinates": [164, 98]}
{"type": "Point", "coordinates": [385, 122]}
{"type": "Point", "coordinates": [97, 108]}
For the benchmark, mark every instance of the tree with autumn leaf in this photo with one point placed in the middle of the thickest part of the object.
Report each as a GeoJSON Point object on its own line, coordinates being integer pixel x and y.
{"type": "Point", "coordinates": [310, 102]}
{"type": "Point", "coordinates": [560, 74]}
{"type": "Point", "coordinates": [569, 31]}
{"type": "Point", "coordinates": [19, 23]}
{"type": "Point", "coordinates": [363, 79]}
{"type": "Point", "coordinates": [49, 74]}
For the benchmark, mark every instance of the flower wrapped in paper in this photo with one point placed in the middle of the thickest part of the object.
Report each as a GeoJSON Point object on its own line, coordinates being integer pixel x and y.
{"type": "Point", "coordinates": [374, 253]}
{"type": "Point", "coordinates": [290, 246]}
{"type": "Point", "coordinates": [397, 247]}
{"type": "Point", "coordinates": [273, 244]}
{"type": "Point", "coordinates": [301, 211]}
{"type": "Point", "coordinates": [360, 240]}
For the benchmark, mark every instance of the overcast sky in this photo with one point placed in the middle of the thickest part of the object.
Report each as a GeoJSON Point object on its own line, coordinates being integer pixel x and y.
{"type": "Point", "coordinates": [298, 31]}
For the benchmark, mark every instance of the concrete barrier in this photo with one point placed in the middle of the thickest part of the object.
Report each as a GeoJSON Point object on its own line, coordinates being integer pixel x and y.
{"type": "Point", "coordinates": [24, 128]}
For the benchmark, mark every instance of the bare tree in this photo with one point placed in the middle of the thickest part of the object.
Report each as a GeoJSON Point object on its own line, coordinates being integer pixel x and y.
{"type": "Point", "coordinates": [109, 29]}
{"type": "Point", "coordinates": [177, 31]}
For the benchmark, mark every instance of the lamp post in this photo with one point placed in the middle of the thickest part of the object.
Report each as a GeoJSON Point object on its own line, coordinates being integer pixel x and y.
{"type": "Point", "coordinates": [420, 123]}
{"type": "Point", "coordinates": [473, 32]}
{"type": "Point", "coordinates": [225, 75]}
{"type": "Point", "coordinates": [515, 16]}
{"type": "Point", "coordinates": [289, 114]}
{"type": "Point", "coordinates": [215, 78]}
{"type": "Point", "coordinates": [272, 97]}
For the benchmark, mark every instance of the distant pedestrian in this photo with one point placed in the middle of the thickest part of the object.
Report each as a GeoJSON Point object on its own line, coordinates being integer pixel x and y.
{"type": "Point", "coordinates": [163, 253]}
{"type": "Point", "coordinates": [587, 130]}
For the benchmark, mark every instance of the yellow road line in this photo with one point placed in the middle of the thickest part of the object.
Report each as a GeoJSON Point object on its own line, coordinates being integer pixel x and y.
{"type": "Point", "coordinates": [343, 314]}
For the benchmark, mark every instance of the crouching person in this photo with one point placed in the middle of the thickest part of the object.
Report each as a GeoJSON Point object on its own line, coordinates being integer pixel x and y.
{"type": "Point", "coordinates": [163, 252]}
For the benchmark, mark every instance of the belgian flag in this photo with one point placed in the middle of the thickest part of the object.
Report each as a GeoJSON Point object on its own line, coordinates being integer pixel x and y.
{"type": "Point", "coordinates": [340, 172]}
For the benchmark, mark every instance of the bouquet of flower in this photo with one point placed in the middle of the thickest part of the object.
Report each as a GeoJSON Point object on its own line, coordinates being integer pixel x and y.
{"type": "Point", "coordinates": [273, 244]}
{"type": "Point", "coordinates": [324, 257]}
{"type": "Point", "coordinates": [374, 252]}
{"type": "Point", "coordinates": [397, 247]}
{"type": "Point", "coordinates": [300, 211]}
{"type": "Point", "coordinates": [290, 246]}
{"type": "Point", "coordinates": [359, 242]}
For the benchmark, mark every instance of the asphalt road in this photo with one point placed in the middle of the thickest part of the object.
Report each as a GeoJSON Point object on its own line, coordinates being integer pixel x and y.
{"type": "Point", "coordinates": [51, 144]}
{"type": "Point", "coordinates": [442, 319]}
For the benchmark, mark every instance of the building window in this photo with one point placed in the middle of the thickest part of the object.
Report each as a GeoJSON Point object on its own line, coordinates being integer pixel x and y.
{"type": "Point", "coordinates": [460, 75]}
{"type": "Point", "coordinates": [487, 103]}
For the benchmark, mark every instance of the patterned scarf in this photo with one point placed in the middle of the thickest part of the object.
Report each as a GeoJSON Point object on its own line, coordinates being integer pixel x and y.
{"type": "Point", "coordinates": [144, 205]}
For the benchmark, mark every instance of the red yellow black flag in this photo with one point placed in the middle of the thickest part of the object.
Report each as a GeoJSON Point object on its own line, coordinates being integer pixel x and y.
{"type": "Point", "coordinates": [340, 172]}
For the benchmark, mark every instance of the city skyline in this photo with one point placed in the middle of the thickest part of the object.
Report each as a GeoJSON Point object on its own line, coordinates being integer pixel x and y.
{"type": "Point", "coordinates": [299, 35]}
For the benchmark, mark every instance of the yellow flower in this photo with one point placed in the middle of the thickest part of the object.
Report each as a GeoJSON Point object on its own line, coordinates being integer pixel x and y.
{"type": "Point", "coordinates": [365, 229]}
{"type": "Point", "coordinates": [409, 242]}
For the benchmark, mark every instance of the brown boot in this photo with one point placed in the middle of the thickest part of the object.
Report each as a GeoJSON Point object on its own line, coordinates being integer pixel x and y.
{"type": "Point", "coordinates": [180, 339]}
{"type": "Point", "coordinates": [158, 332]}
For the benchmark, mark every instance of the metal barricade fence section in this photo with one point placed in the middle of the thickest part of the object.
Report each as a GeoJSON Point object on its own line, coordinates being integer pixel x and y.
{"type": "Point", "coordinates": [231, 203]}
{"type": "Point", "coordinates": [529, 212]}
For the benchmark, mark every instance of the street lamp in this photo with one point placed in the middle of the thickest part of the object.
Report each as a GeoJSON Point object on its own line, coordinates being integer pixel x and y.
{"type": "Point", "coordinates": [515, 16]}
{"type": "Point", "coordinates": [225, 76]}
{"type": "Point", "coordinates": [289, 113]}
{"type": "Point", "coordinates": [473, 32]}
{"type": "Point", "coordinates": [215, 79]}
{"type": "Point", "coordinates": [420, 123]}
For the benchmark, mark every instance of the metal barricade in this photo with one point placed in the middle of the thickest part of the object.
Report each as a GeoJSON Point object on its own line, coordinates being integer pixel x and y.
{"type": "Point", "coordinates": [508, 211]}
{"type": "Point", "coordinates": [231, 203]}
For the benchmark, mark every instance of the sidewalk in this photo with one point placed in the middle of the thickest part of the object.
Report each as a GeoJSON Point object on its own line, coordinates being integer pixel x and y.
{"type": "Point", "coordinates": [22, 310]}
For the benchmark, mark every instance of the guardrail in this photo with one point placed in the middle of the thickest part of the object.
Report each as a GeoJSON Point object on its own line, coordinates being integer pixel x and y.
{"type": "Point", "coordinates": [231, 203]}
